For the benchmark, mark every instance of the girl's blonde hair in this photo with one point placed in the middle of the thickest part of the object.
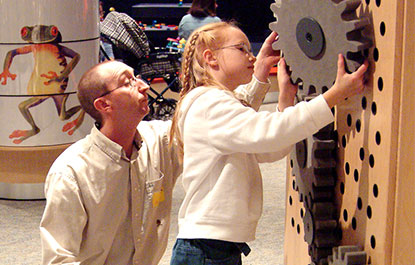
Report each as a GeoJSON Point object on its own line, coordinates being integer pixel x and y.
{"type": "Point", "coordinates": [194, 71]}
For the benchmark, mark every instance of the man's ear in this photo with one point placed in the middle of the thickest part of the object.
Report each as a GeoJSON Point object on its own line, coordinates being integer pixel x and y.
{"type": "Point", "coordinates": [210, 58]}
{"type": "Point", "coordinates": [102, 104]}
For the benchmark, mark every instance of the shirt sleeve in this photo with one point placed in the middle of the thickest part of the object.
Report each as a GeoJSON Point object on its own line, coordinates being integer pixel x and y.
{"type": "Point", "coordinates": [232, 127]}
{"type": "Point", "coordinates": [63, 220]}
{"type": "Point", "coordinates": [253, 92]}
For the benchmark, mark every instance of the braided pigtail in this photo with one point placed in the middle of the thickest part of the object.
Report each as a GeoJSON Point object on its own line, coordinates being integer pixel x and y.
{"type": "Point", "coordinates": [195, 72]}
{"type": "Point", "coordinates": [187, 84]}
{"type": "Point", "coordinates": [188, 57]}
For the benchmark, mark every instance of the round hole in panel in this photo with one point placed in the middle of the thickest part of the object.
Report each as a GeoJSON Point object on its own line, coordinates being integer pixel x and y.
{"type": "Point", "coordinates": [359, 203]}
{"type": "Point", "coordinates": [371, 161]}
{"type": "Point", "coordinates": [302, 213]}
{"type": "Point", "coordinates": [362, 153]}
{"type": "Point", "coordinates": [349, 120]}
{"type": "Point", "coordinates": [344, 141]}
{"type": "Point", "coordinates": [375, 190]}
{"type": "Point", "coordinates": [377, 3]}
{"type": "Point", "coordinates": [290, 199]}
{"type": "Point", "coordinates": [347, 168]}
{"type": "Point", "coordinates": [293, 184]}
{"type": "Point", "coordinates": [382, 28]}
{"type": "Point", "coordinates": [358, 125]}
{"type": "Point", "coordinates": [378, 138]}
{"type": "Point", "coordinates": [342, 188]}
{"type": "Point", "coordinates": [369, 211]}
{"type": "Point", "coordinates": [354, 223]}
{"type": "Point", "coordinates": [292, 222]}
{"type": "Point", "coordinates": [298, 229]}
{"type": "Point", "coordinates": [367, 2]}
{"type": "Point", "coordinates": [291, 163]}
{"type": "Point", "coordinates": [374, 108]}
{"type": "Point", "coordinates": [380, 83]}
{"type": "Point", "coordinates": [373, 242]}
{"type": "Point", "coordinates": [375, 54]}
{"type": "Point", "coordinates": [364, 103]}
{"type": "Point", "coordinates": [356, 175]}
{"type": "Point", "coordinates": [345, 215]}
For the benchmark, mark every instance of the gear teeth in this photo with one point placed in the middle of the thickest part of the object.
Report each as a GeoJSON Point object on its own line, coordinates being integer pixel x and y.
{"type": "Point", "coordinates": [275, 6]}
{"type": "Point", "coordinates": [276, 46]}
{"type": "Point", "coordinates": [356, 24]}
{"type": "Point", "coordinates": [273, 26]}
{"type": "Point", "coordinates": [347, 6]}
{"type": "Point", "coordinates": [358, 46]}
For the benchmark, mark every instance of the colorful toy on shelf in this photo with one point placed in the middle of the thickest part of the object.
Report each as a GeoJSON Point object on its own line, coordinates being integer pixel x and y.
{"type": "Point", "coordinates": [176, 44]}
{"type": "Point", "coordinates": [172, 27]}
{"type": "Point", "coordinates": [156, 26]}
{"type": "Point", "coordinates": [180, 2]}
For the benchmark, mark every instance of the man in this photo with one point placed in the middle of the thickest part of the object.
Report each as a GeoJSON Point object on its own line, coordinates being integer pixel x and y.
{"type": "Point", "coordinates": [109, 195]}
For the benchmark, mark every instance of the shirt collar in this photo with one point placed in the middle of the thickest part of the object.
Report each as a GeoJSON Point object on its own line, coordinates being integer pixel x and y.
{"type": "Point", "coordinates": [112, 149]}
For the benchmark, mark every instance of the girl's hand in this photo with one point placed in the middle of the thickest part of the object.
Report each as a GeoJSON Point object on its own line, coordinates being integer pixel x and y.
{"type": "Point", "coordinates": [266, 58]}
{"type": "Point", "coordinates": [287, 90]}
{"type": "Point", "coordinates": [346, 85]}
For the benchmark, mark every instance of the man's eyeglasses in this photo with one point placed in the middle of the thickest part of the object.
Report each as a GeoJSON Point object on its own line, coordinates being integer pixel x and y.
{"type": "Point", "coordinates": [240, 46]}
{"type": "Point", "coordinates": [131, 83]}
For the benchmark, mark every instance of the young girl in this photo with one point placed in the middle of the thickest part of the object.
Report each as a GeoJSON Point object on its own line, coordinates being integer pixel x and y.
{"type": "Point", "coordinates": [223, 141]}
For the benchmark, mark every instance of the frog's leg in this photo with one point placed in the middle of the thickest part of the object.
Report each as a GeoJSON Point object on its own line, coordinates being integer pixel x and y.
{"type": "Point", "coordinates": [70, 127]}
{"type": "Point", "coordinates": [24, 106]}
{"type": "Point", "coordinates": [60, 103]}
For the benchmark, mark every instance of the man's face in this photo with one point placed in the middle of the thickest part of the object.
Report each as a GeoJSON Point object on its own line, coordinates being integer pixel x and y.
{"type": "Point", "coordinates": [127, 93]}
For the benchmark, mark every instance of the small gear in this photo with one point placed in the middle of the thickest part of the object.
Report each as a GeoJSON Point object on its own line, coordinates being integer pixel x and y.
{"type": "Point", "coordinates": [347, 255]}
{"type": "Point", "coordinates": [311, 35]}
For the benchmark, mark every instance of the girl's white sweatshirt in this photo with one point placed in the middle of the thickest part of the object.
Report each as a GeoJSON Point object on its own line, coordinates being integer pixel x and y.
{"type": "Point", "coordinates": [223, 143]}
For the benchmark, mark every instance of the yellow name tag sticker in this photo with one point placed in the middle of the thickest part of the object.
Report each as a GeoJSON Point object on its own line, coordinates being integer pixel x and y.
{"type": "Point", "coordinates": [158, 197]}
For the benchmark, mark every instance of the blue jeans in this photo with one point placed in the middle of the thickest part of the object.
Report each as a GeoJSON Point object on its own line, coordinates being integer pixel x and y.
{"type": "Point", "coordinates": [208, 252]}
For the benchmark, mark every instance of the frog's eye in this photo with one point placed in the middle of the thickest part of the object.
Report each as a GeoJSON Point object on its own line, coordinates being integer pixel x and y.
{"type": "Point", "coordinates": [24, 32]}
{"type": "Point", "coordinates": [54, 31]}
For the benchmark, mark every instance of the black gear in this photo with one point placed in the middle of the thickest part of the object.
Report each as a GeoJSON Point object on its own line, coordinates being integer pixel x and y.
{"type": "Point", "coordinates": [314, 168]}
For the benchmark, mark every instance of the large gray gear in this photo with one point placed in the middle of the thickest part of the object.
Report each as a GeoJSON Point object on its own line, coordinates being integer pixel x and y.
{"type": "Point", "coordinates": [311, 35]}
